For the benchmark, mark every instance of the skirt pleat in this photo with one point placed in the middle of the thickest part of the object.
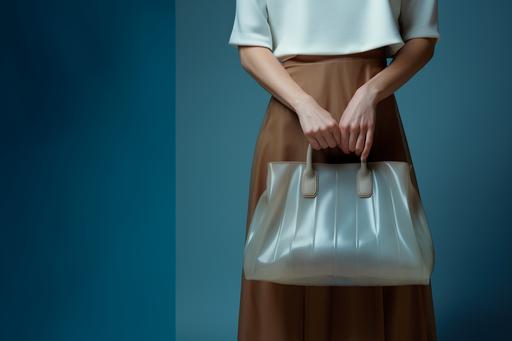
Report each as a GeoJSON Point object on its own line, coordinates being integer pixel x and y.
{"type": "Point", "coordinates": [280, 312]}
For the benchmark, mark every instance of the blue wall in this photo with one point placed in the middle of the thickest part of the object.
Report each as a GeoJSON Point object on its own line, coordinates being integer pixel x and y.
{"type": "Point", "coordinates": [86, 144]}
{"type": "Point", "coordinates": [457, 117]}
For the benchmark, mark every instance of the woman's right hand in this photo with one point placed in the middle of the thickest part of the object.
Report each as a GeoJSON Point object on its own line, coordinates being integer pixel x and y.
{"type": "Point", "coordinates": [318, 125]}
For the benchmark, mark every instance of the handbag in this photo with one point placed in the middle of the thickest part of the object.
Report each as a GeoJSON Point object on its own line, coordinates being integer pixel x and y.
{"type": "Point", "coordinates": [339, 224]}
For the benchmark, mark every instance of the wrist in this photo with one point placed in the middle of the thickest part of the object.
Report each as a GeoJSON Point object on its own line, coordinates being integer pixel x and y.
{"type": "Point", "coordinates": [371, 92]}
{"type": "Point", "coordinates": [298, 102]}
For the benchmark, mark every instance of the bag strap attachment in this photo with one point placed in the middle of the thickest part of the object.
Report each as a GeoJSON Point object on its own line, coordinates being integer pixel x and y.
{"type": "Point", "coordinates": [309, 178]}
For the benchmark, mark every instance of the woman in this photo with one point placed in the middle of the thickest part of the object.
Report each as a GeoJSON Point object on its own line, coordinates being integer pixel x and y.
{"type": "Point", "coordinates": [325, 65]}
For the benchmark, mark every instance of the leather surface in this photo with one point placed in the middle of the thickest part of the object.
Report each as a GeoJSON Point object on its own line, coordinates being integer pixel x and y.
{"type": "Point", "coordinates": [338, 237]}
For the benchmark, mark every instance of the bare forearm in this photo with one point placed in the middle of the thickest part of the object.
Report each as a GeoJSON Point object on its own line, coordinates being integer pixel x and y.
{"type": "Point", "coordinates": [408, 61]}
{"type": "Point", "coordinates": [266, 69]}
{"type": "Point", "coordinates": [317, 124]}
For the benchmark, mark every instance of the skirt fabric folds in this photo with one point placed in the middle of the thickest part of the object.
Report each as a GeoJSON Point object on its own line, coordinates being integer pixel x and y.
{"type": "Point", "coordinates": [279, 312]}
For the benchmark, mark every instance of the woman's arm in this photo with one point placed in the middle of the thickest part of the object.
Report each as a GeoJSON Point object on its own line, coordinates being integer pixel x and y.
{"type": "Point", "coordinates": [357, 123]}
{"type": "Point", "coordinates": [318, 125]}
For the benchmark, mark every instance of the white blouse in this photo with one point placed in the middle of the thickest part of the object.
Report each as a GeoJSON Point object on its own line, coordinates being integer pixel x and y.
{"type": "Point", "coordinates": [290, 27]}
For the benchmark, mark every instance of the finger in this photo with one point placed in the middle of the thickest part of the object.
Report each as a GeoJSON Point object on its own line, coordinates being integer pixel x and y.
{"type": "Point", "coordinates": [368, 144]}
{"type": "Point", "coordinates": [344, 136]}
{"type": "Point", "coordinates": [314, 143]}
{"type": "Point", "coordinates": [329, 138]}
{"type": "Point", "coordinates": [354, 132]}
{"type": "Point", "coordinates": [335, 131]}
{"type": "Point", "coordinates": [321, 140]}
{"type": "Point", "coordinates": [360, 142]}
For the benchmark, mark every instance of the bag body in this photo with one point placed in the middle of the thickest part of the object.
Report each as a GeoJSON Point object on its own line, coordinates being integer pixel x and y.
{"type": "Point", "coordinates": [339, 224]}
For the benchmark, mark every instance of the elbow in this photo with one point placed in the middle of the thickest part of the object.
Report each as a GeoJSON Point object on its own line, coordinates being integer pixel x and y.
{"type": "Point", "coordinates": [244, 59]}
{"type": "Point", "coordinates": [244, 63]}
{"type": "Point", "coordinates": [431, 48]}
{"type": "Point", "coordinates": [250, 54]}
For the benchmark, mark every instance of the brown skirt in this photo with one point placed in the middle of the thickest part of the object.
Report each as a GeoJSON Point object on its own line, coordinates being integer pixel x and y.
{"type": "Point", "coordinates": [279, 312]}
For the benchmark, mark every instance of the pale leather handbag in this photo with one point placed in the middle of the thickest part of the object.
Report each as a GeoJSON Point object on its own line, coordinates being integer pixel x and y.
{"type": "Point", "coordinates": [339, 224]}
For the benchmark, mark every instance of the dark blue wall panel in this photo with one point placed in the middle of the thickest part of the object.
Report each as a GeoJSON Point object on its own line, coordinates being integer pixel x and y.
{"type": "Point", "coordinates": [86, 148]}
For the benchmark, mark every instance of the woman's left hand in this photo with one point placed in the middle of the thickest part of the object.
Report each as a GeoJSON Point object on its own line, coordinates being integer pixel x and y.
{"type": "Point", "coordinates": [357, 123]}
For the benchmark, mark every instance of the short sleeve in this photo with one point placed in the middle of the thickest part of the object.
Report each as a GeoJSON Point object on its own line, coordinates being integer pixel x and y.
{"type": "Point", "coordinates": [251, 26]}
{"type": "Point", "coordinates": [418, 18]}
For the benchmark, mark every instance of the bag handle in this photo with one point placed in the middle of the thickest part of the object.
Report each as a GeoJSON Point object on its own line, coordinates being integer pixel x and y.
{"type": "Point", "coordinates": [309, 178]}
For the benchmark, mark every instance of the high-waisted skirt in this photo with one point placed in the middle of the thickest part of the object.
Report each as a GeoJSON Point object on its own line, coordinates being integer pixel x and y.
{"type": "Point", "coordinates": [279, 312]}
